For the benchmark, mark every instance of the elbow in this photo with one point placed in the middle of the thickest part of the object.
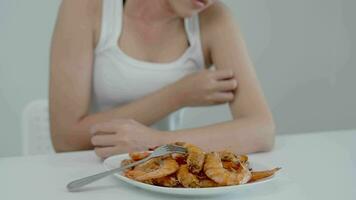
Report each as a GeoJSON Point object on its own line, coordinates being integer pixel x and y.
{"type": "Point", "coordinates": [68, 141]}
{"type": "Point", "coordinates": [267, 139]}
{"type": "Point", "coordinates": [262, 135]}
{"type": "Point", "coordinates": [267, 145]}
{"type": "Point", "coordinates": [60, 142]}
{"type": "Point", "coordinates": [69, 133]}
{"type": "Point", "coordinates": [57, 143]}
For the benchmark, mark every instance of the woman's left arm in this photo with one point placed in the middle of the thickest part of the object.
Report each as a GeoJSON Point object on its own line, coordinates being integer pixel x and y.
{"type": "Point", "coordinates": [252, 128]}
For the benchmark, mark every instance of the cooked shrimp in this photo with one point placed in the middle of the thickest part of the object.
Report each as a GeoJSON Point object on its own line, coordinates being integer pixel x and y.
{"type": "Point", "coordinates": [214, 169]}
{"type": "Point", "coordinates": [189, 180]}
{"type": "Point", "coordinates": [186, 178]}
{"type": "Point", "coordinates": [136, 156]}
{"type": "Point", "coordinates": [167, 167]}
{"type": "Point", "coordinates": [180, 158]}
{"type": "Point", "coordinates": [167, 181]}
{"type": "Point", "coordinates": [195, 159]}
{"type": "Point", "coordinates": [149, 165]}
{"type": "Point", "coordinates": [243, 158]}
{"type": "Point", "coordinates": [231, 166]}
{"type": "Point", "coordinates": [133, 173]}
{"type": "Point", "coordinates": [230, 156]}
{"type": "Point", "coordinates": [232, 161]}
{"type": "Point", "coordinates": [144, 168]}
{"type": "Point", "coordinates": [126, 162]}
{"type": "Point", "coordinates": [263, 174]}
{"type": "Point", "coordinates": [204, 183]}
{"type": "Point", "coordinates": [245, 172]}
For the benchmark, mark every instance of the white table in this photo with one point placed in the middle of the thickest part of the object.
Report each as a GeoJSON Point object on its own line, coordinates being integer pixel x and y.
{"type": "Point", "coordinates": [315, 166]}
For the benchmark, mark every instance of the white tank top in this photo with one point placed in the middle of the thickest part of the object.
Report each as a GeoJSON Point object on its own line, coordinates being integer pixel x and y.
{"type": "Point", "coordinates": [119, 79]}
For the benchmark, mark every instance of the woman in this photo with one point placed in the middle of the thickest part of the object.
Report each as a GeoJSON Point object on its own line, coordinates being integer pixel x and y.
{"type": "Point", "coordinates": [120, 72]}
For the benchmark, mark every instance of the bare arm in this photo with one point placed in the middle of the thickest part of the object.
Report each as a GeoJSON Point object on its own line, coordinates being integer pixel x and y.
{"type": "Point", "coordinates": [252, 128]}
{"type": "Point", "coordinates": [72, 57]}
{"type": "Point", "coordinates": [70, 82]}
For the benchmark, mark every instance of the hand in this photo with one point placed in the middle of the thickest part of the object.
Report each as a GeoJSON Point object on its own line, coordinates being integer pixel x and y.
{"type": "Point", "coordinates": [206, 88]}
{"type": "Point", "coordinates": [122, 136]}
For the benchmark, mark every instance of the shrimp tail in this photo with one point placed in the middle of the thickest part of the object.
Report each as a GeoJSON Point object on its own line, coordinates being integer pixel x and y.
{"type": "Point", "coordinates": [257, 175]}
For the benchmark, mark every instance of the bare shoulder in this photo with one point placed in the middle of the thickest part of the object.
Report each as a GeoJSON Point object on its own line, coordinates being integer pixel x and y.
{"type": "Point", "coordinates": [79, 12]}
{"type": "Point", "coordinates": [79, 17]}
{"type": "Point", "coordinates": [217, 11]}
{"type": "Point", "coordinates": [216, 22]}
{"type": "Point", "coordinates": [217, 18]}
{"type": "Point", "coordinates": [85, 8]}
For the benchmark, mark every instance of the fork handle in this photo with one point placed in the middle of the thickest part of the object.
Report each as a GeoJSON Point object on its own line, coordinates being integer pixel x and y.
{"type": "Point", "coordinates": [72, 186]}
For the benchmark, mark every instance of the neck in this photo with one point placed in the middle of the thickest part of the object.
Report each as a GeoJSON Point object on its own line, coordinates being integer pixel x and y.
{"type": "Point", "coordinates": [152, 12]}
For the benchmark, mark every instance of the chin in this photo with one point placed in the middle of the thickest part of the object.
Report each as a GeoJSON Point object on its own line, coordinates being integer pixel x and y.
{"type": "Point", "coordinates": [187, 8]}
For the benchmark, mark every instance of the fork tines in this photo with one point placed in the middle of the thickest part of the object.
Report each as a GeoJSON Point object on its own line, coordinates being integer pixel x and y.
{"type": "Point", "coordinates": [176, 149]}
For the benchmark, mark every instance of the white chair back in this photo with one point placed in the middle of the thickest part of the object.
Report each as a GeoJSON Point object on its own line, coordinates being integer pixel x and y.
{"type": "Point", "coordinates": [35, 129]}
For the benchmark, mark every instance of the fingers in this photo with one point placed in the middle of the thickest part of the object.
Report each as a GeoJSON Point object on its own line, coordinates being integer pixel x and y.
{"type": "Point", "coordinates": [104, 152]}
{"type": "Point", "coordinates": [111, 126]}
{"type": "Point", "coordinates": [227, 85]}
{"type": "Point", "coordinates": [107, 127]}
{"type": "Point", "coordinates": [223, 97]}
{"type": "Point", "coordinates": [223, 74]}
{"type": "Point", "coordinates": [104, 140]}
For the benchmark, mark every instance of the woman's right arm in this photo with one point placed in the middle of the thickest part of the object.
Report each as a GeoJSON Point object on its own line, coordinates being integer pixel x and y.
{"type": "Point", "coordinates": [72, 55]}
{"type": "Point", "coordinates": [70, 75]}
{"type": "Point", "coordinates": [71, 78]}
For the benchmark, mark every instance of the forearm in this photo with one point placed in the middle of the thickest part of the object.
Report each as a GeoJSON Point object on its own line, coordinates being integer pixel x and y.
{"type": "Point", "coordinates": [243, 135]}
{"type": "Point", "coordinates": [146, 110]}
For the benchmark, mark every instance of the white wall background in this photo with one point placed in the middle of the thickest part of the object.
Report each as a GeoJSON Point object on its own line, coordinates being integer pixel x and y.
{"type": "Point", "coordinates": [304, 54]}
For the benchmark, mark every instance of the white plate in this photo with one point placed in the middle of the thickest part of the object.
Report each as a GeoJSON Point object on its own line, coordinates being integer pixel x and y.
{"type": "Point", "coordinates": [114, 162]}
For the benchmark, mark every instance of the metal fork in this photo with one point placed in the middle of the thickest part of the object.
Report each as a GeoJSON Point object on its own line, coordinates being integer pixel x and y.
{"type": "Point", "coordinates": [160, 151]}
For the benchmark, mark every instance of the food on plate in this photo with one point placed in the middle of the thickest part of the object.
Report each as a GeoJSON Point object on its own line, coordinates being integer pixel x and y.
{"type": "Point", "coordinates": [215, 170]}
{"type": "Point", "coordinates": [136, 156]}
{"type": "Point", "coordinates": [262, 174]}
{"type": "Point", "coordinates": [189, 180]}
{"type": "Point", "coordinates": [167, 181]}
{"type": "Point", "coordinates": [153, 169]}
{"type": "Point", "coordinates": [195, 159]}
{"type": "Point", "coordinates": [196, 169]}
